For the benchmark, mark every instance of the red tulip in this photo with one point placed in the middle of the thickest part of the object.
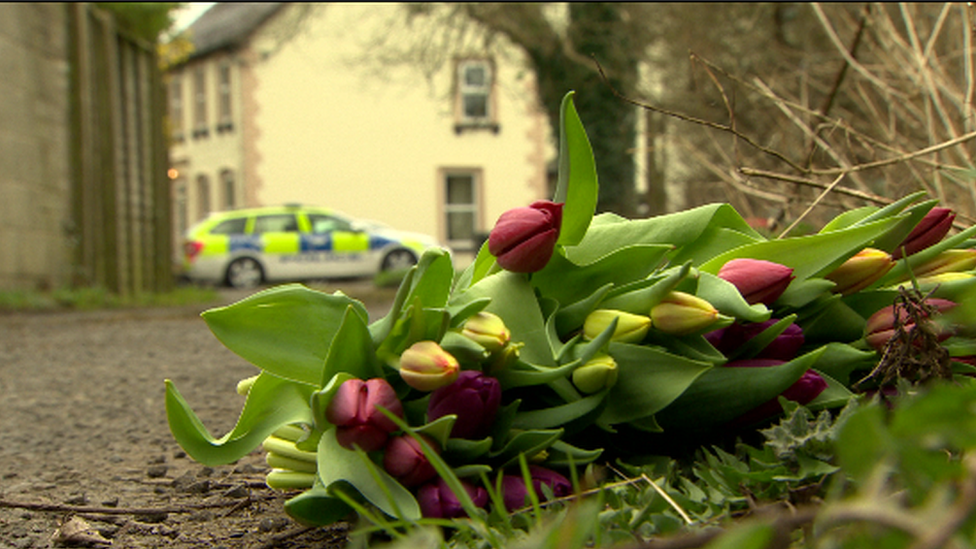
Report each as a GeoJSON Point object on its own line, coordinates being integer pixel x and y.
{"type": "Point", "coordinates": [524, 238]}
{"type": "Point", "coordinates": [437, 500]}
{"type": "Point", "coordinates": [474, 398]}
{"type": "Point", "coordinates": [354, 412]}
{"type": "Point", "coordinates": [758, 281]}
{"type": "Point", "coordinates": [404, 459]}
{"type": "Point", "coordinates": [930, 230]}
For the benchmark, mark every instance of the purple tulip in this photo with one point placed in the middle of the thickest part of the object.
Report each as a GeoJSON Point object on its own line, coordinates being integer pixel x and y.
{"type": "Point", "coordinates": [784, 347]}
{"type": "Point", "coordinates": [404, 459]}
{"type": "Point", "coordinates": [437, 500]}
{"type": "Point", "coordinates": [803, 391]}
{"type": "Point", "coordinates": [524, 238]}
{"type": "Point", "coordinates": [930, 230]}
{"type": "Point", "coordinates": [354, 412]}
{"type": "Point", "coordinates": [474, 398]}
{"type": "Point", "coordinates": [515, 494]}
{"type": "Point", "coordinates": [757, 280]}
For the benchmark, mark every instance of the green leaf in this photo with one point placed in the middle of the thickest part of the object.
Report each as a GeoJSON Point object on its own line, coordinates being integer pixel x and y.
{"type": "Point", "coordinates": [848, 218]}
{"type": "Point", "coordinates": [566, 281]}
{"type": "Point", "coordinates": [337, 464]}
{"type": "Point", "coordinates": [834, 396]}
{"type": "Point", "coordinates": [432, 282]}
{"type": "Point", "coordinates": [807, 255]}
{"type": "Point", "coordinates": [319, 400]}
{"type": "Point", "coordinates": [464, 450]}
{"type": "Point", "coordinates": [802, 292]}
{"type": "Point", "coordinates": [271, 403]}
{"type": "Point", "coordinates": [645, 295]}
{"type": "Point", "coordinates": [514, 301]}
{"type": "Point", "coordinates": [286, 330]}
{"type": "Point", "coordinates": [755, 345]}
{"type": "Point", "coordinates": [725, 393]}
{"type": "Point", "coordinates": [863, 442]}
{"type": "Point", "coordinates": [557, 416]}
{"type": "Point", "coordinates": [315, 507]}
{"type": "Point", "coordinates": [571, 317]}
{"type": "Point", "coordinates": [351, 350]}
{"type": "Point", "coordinates": [753, 535]}
{"type": "Point", "coordinates": [380, 329]}
{"type": "Point", "coordinates": [483, 265]}
{"type": "Point", "coordinates": [900, 270]}
{"type": "Point", "coordinates": [439, 429]}
{"type": "Point", "coordinates": [840, 360]}
{"type": "Point", "coordinates": [649, 379]}
{"type": "Point", "coordinates": [724, 296]}
{"type": "Point", "coordinates": [528, 443]}
{"type": "Point", "coordinates": [522, 374]}
{"type": "Point", "coordinates": [576, 186]}
{"type": "Point", "coordinates": [835, 322]}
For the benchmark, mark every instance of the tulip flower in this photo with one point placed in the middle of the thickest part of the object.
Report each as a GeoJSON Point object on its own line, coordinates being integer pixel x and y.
{"type": "Point", "coordinates": [425, 366]}
{"type": "Point", "coordinates": [930, 230]}
{"type": "Point", "coordinates": [682, 314]}
{"type": "Point", "coordinates": [949, 261]}
{"type": "Point", "coordinates": [860, 271]}
{"type": "Point", "coordinates": [353, 410]}
{"type": "Point", "coordinates": [785, 347]}
{"type": "Point", "coordinates": [514, 492]}
{"type": "Point", "coordinates": [474, 398]}
{"type": "Point", "coordinates": [599, 373]}
{"type": "Point", "coordinates": [404, 459]}
{"type": "Point", "coordinates": [437, 500]}
{"type": "Point", "coordinates": [488, 330]}
{"type": "Point", "coordinates": [802, 391]}
{"type": "Point", "coordinates": [631, 328]}
{"type": "Point", "coordinates": [524, 238]}
{"type": "Point", "coordinates": [758, 281]}
{"type": "Point", "coordinates": [881, 325]}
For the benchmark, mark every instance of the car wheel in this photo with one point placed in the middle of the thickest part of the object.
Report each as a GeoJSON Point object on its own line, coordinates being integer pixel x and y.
{"type": "Point", "coordinates": [399, 260]}
{"type": "Point", "coordinates": [244, 273]}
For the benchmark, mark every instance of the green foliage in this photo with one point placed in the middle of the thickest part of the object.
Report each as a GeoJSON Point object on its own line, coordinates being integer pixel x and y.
{"type": "Point", "coordinates": [89, 298]}
{"type": "Point", "coordinates": [144, 20]}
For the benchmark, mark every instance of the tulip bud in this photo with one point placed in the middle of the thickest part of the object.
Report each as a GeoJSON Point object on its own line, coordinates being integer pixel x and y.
{"type": "Point", "coordinates": [487, 330]}
{"type": "Point", "coordinates": [881, 325]}
{"type": "Point", "coordinates": [758, 281]}
{"type": "Point", "coordinates": [474, 398]}
{"type": "Point", "coordinates": [631, 328]}
{"type": "Point", "coordinates": [514, 492]}
{"type": "Point", "coordinates": [785, 347]}
{"type": "Point", "coordinates": [860, 271]}
{"type": "Point", "coordinates": [437, 500]}
{"type": "Point", "coordinates": [425, 366]}
{"type": "Point", "coordinates": [930, 230]}
{"type": "Point", "coordinates": [599, 373]}
{"type": "Point", "coordinates": [404, 459]}
{"type": "Point", "coordinates": [524, 238]}
{"type": "Point", "coordinates": [949, 261]}
{"type": "Point", "coordinates": [353, 410]}
{"type": "Point", "coordinates": [803, 391]}
{"type": "Point", "coordinates": [682, 314]}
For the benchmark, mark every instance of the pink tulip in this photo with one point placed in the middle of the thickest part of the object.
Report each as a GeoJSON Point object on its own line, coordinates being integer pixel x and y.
{"type": "Point", "coordinates": [404, 459]}
{"type": "Point", "coordinates": [354, 412]}
{"type": "Point", "coordinates": [757, 280]}
{"type": "Point", "coordinates": [523, 239]}
{"type": "Point", "coordinates": [930, 230]}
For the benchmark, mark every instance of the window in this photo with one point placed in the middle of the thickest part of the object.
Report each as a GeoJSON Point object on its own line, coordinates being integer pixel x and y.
{"type": "Point", "coordinates": [203, 196]}
{"type": "Point", "coordinates": [474, 95]}
{"type": "Point", "coordinates": [225, 121]}
{"type": "Point", "coordinates": [229, 189]}
{"type": "Point", "coordinates": [461, 209]}
{"type": "Point", "coordinates": [279, 223]}
{"type": "Point", "coordinates": [322, 224]}
{"type": "Point", "coordinates": [200, 102]}
{"type": "Point", "coordinates": [176, 107]}
{"type": "Point", "coordinates": [182, 214]}
{"type": "Point", "coordinates": [231, 226]}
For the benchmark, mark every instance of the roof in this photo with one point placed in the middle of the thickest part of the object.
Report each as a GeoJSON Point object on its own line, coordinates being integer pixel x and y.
{"type": "Point", "coordinates": [228, 24]}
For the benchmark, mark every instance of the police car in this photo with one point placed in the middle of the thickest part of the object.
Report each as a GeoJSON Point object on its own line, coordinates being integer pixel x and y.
{"type": "Point", "coordinates": [245, 248]}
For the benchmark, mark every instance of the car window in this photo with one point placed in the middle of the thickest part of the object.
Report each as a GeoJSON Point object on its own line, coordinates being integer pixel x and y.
{"type": "Point", "coordinates": [230, 226]}
{"type": "Point", "coordinates": [278, 223]}
{"type": "Point", "coordinates": [322, 224]}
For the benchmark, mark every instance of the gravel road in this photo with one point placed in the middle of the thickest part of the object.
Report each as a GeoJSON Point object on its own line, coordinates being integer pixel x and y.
{"type": "Point", "coordinates": [82, 423]}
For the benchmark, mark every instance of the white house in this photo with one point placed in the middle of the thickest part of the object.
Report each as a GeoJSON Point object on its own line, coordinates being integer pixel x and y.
{"type": "Point", "coordinates": [288, 103]}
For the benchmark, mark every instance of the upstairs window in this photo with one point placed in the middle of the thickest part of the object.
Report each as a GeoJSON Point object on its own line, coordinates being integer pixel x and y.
{"type": "Point", "coordinates": [200, 102]}
{"type": "Point", "coordinates": [176, 107]}
{"type": "Point", "coordinates": [225, 122]}
{"type": "Point", "coordinates": [474, 100]}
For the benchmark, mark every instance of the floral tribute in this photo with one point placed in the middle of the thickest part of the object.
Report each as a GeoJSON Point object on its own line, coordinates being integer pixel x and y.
{"type": "Point", "coordinates": [572, 338]}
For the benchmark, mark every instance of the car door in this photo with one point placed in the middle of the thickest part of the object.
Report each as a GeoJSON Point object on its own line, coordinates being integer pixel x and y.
{"type": "Point", "coordinates": [280, 246]}
{"type": "Point", "coordinates": [340, 249]}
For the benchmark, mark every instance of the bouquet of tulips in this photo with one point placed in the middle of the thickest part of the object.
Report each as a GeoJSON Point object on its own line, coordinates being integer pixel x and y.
{"type": "Point", "coordinates": [573, 338]}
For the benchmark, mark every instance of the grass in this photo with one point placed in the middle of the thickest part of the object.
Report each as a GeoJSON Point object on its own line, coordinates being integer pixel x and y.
{"type": "Point", "coordinates": [90, 298]}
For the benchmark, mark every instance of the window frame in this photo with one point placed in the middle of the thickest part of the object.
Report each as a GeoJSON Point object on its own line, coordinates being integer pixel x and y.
{"type": "Point", "coordinates": [225, 98]}
{"type": "Point", "coordinates": [200, 120]}
{"type": "Point", "coordinates": [474, 208]}
{"type": "Point", "coordinates": [463, 89]}
{"type": "Point", "coordinates": [204, 203]}
{"type": "Point", "coordinates": [177, 114]}
{"type": "Point", "coordinates": [228, 188]}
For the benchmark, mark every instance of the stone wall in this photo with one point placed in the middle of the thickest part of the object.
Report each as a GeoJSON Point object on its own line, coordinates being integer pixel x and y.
{"type": "Point", "coordinates": [35, 189]}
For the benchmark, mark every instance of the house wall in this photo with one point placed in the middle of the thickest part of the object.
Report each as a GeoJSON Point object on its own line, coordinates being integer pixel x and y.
{"type": "Point", "coordinates": [34, 175]}
{"type": "Point", "coordinates": [332, 130]}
